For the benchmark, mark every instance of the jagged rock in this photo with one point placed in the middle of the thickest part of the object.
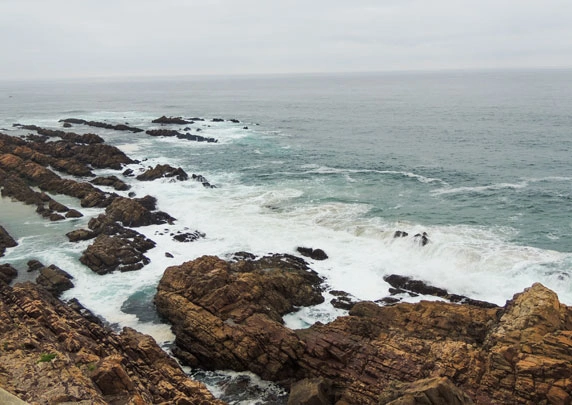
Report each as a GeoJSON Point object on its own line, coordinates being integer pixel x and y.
{"type": "Point", "coordinates": [162, 132]}
{"type": "Point", "coordinates": [343, 300]}
{"type": "Point", "coordinates": [110, 253]}
{"type": "Point", "coordinates": [34, 265]}
{"type": "Point", "coordinates": [55, 280]}
{"type": "Point", "coordinates": [403, 284]}
{"type": "Point", "coordinates": [110, 181]}
{"type": "Point", "coordinates": [315, 391]}
{"type": "Point", "coordinates": [400, 234]}
{"type": "Point", "coordinates": [222, 317]}
{"type": "Point", "coordinates": [171, 120]}
{"type": "Point", "coordinates": [7, 273]}
{"type": "Point", "coordinates": [6, 241]}
{"type": "Point", "coordinates": [229, 315]}
{"type": "Point", "coordinates": [316, 254]}
{"type": "Point", "coordinates": [422, 238]}
{"type": "Point", "coordinates": [161, 171]}
{"type": "Point", "coordinates": [201, 179]}
{"type": "Point", "coordinates": [217, 120]}
{"type": "Point", "coordinates": [52, 354]}
{"type": "Point", "coordinates": [188, 236]}
{"type": "Point", "coordinates": [132, 213]}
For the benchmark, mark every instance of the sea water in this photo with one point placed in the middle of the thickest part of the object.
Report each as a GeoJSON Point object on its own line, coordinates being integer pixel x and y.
{"type": "Point", "coordinates": [481, 161]}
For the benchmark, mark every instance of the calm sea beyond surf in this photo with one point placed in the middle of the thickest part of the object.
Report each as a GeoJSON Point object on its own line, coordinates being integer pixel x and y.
{"type": "Point", "coordinates": [480, 161]}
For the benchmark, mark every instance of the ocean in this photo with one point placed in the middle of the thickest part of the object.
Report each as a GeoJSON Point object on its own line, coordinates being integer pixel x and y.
{"type": "Point", "coordinates": [481, 161]}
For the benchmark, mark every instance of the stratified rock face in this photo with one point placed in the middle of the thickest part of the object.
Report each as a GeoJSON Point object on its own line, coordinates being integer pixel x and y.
{"type": "Point", "coordinates": [6, 241]}
{"type": "Point", "coordinates": [228, 315]}
{"type": "Point", "coordinates": [52, 354]}
{"type": "Point", "coordinates": [54, 279]}
{"type": "Point", "coordinates": [223, 316]}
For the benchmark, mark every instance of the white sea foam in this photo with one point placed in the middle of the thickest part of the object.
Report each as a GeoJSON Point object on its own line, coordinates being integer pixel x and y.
{"type": "Point", "coordinates": [481, 189]}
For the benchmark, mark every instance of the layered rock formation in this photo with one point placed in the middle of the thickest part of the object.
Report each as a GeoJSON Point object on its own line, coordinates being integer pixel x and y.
{"type": "Point", "coordinates": [51, 353]}
{"type": "Point", "coordinates": [225, 315]}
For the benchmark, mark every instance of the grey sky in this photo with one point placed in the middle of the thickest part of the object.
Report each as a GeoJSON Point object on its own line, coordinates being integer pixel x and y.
{"type": "Point", "coordinates": [76, 38]}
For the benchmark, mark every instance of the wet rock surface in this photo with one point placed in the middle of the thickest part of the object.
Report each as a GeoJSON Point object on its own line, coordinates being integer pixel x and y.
{"type": "Point", "coordinates": [171, 120]}
{"type": "Point", "coordinates": [316, 254]}
{"type": "Point", "coordinates": [163, 171]}
{"type": "Point", "coordinates": [105, 125]}
{"type": "Point", "coordinates": [223, 317]}
{"type": "Point", "coordinates": [6, 241]}
{"type": "Point", "coordinates": [7, 273]}
{"type": "Point", "coordinates": [229, 314]}
{"type": "Point", "coordinates": [180, 135]}
{"type": "Point", "coordinates": [403, 284]}
{"type": "Point", "coordinates": [54, 279]}
{"type": "Point", "coordinates": [51, 353]}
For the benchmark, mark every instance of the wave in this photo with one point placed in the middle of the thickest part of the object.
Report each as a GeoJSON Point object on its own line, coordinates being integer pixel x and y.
{"type": "Point", "coordinates": [481, 189]}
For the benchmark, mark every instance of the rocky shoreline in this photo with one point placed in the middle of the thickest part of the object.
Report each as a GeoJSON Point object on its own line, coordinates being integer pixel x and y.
{"type": "Point", "coordinates": [227, 314]}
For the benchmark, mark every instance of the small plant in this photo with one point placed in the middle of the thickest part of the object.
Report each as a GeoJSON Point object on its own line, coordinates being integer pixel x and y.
{"type": "Point", "coordinates": [47, 357]}
{"type": "Point", "coordinates": [91, 366]}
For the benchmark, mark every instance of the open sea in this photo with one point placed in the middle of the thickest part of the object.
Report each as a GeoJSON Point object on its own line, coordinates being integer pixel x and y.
{"type": "Point", "coordinates": [481, 161]}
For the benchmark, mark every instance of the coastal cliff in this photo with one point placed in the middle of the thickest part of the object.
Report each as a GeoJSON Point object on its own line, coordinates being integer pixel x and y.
{"type": "Point", "coordinates": [52, 353]}
{"type": "Point", "coordinates": [520, 353]}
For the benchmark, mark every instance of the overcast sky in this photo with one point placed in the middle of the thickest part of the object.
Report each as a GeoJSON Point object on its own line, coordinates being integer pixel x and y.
{"type": "Point", "coordinates": [79, 38]}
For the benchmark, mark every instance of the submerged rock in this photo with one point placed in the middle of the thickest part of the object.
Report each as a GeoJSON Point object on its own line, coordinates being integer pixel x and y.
{"type": "Point", "coordinates": [316, 254]}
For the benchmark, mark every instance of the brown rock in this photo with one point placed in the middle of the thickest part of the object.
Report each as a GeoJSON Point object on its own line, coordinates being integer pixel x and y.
{"type": "Point", "coordinates": [161, 171]}
{"type": "Point", "coordinates": [52, 354]}
{"type": "Point", "coordinates": [131, 213]}
{"type": "Point", "coordinates": [55, 280]}
{"type": "Point", "coordinates": [7, 273]}
{"type": "Point", "coordinates": [313, 391]}
{"type": "Point", "coordinates": [110, 181]}
{"type": "Point", "coordinates": [228, 315]}
{"type": "Point", "coordinates": [431, 391]}
{"type": "Point", "coordinates": [80, 234]}
{"type": "Point", "coordinates": [6, 241]}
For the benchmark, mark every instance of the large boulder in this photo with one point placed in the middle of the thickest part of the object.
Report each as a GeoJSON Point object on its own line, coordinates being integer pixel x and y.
{"type": "Point", "coordinates": [229, 314]}
{"type": "Point", "coordinates": [54, 279]}
{"type": "Point", "coordinates": [52, 353]}
{"type": "Point", "coordinates": [133, 213]}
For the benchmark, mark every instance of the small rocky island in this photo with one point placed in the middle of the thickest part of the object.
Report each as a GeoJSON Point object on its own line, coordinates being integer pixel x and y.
{"type": "Point", "coordinates": [226, 312]}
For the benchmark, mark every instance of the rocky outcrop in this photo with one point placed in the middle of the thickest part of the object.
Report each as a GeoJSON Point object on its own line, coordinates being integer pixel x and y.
{"type": "Point", "coordinates": [6, 241]}
{"type": "Point", "coordinates": [202, 179]}
{"type": "Point", "coordinates": [316, 254]}
{"type": "Point", "coordinates": [116, 127]}
{"type": "Point", "coordinates": [522, 353]}
{"type": "Point", "coordinates": [403, 284]}
{"type": "Point", "coordinates": [229, 314]}
{"type": "Point", "coordinates": [163, 171]}
{"type": "Point", "coordinates": [171, 120]}
{"type": "Point", "coordinates": [110, 253]}
{"type": "Point", "coordinates": [180, 135]}
{"type": "Point", "coordinates": [131, 212]}
{"type": "Point", "coordinates": [54, 279]}
{"type": "Point", "coordinates": [110, 181]}
{"type": "Point", "coordinates": [51, 353]}
{"type": "Point", "coordinates": [66, 136]}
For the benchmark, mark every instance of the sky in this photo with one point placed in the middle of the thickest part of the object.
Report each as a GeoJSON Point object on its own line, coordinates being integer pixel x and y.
{"type": "Point", "coordinates": [88, 38]}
